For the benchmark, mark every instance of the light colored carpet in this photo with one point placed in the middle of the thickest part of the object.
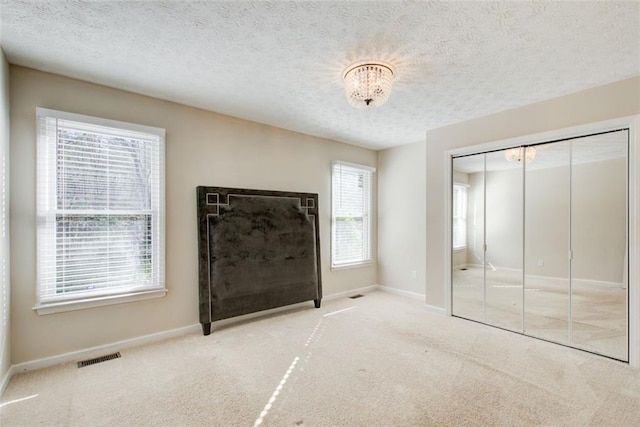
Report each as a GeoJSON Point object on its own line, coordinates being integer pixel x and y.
{"type": "Point", "coordinates": [598, 318]}
{"type": "Point", "coordinates": [384, 362]}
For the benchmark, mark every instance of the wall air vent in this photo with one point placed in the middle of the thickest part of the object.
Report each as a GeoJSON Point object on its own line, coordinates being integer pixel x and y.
{"type": "Point", "coordinates": [100, 359]}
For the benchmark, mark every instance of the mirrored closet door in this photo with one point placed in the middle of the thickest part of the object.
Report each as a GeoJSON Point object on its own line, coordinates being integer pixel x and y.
{"type": "Point", "coordinates": [540, 241]}
{"type": "Point", "coordinates": [547, 241]}
{"type": "Point", "coordinates": [487, 236]}
{"type": "Point", "coordinates": [468, 256]}
{"type": "Point", "coordinates": [503, 239]}
{"type": "Point", "coordinates": [599, 244]}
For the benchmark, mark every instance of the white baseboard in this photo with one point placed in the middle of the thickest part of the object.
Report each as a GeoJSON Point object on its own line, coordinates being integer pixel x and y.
{"type": "Point", "coordinates": [575, 281]}
{"type": "Point", "coordinates": [362, 290]}
{"type": "Point", "coordinates": [249, 316]}
{"type": "Point", "coordinates": [146, 339]}
{"type": "Point", "coordinates": [172, 333]}
{"type": "Point", "coordinates": [597, 283]}
{"type": "Point", "coordinates": [414, 295]}
{"type": "Point", "coordinates": [102, 349]}
{"type": "Point", "coordinates": [4, 382]}
{"type": "Point", "coordinates": [435, 310]}
{"type": "Point", "coordinates": [559, 280]}
{"type": "Point", "coordinates": [305, 304]}
{"type": "Point", "coordinates": [473, 266]}
{"type": "Point", "coordinates": [401, 292]}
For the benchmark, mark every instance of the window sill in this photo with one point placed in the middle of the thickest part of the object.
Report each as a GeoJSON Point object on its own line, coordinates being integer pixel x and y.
{"type": "Point", "coordinates": [59, 307]}
{"type": "Point", "coordinates": [353, 265]}
{"type": "Point", "coordinates": [460, 249]}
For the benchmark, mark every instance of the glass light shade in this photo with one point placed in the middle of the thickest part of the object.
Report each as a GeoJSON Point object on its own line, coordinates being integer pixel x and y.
{"type": "Point", "coordinates": [368, 84]}
{"type": "Point", "coordinates": [516, 154]}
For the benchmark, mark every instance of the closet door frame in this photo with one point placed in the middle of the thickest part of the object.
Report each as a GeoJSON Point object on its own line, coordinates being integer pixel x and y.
{"type": "Point", "coordinates": [632, 123]}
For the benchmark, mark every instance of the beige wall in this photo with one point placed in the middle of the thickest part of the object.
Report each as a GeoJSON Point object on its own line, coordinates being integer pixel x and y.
{"type": "Point", "coordinates": [203, 148]}
{"type": "Point", "coordinates": [598, 192]}
{"type": "Point", "coordinates": [548, 241]}
{"type": "Point", "coordinates": [5, 296]}
{"type": "Point", "coordinates": [401, 213]}
{"type": "Point", "coordinates": [598, 196]}
{"type": "Point", "coordinates": [459, 258]}
{"type": "Point", "coordinates": [598, 226]}
{"type": "Point", "coordinates": [504, 218]}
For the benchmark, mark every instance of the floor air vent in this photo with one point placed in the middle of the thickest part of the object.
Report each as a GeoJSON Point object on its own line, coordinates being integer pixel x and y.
{"type": "Point", "coordinates": [356, 296]}
{"type": "Point", "coordinates": [95, 360]}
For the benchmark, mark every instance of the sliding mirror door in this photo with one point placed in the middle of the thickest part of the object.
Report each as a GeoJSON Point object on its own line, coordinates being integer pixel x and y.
{"type": "Point", "coordinates": [503, 238]}
{"type": "Point", "coordinates": [468, 237]}
{"type": "Point", "coordinates": [487, 239]}
{"type": "Point", "coordinates": [540, 241]}
{"type": "Point", "coordinates": [599, 244]}
{"type": "Point", "coordinates": [547, 241]}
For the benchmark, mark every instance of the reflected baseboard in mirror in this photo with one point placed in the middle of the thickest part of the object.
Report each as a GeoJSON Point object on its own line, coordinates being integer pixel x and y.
{"type": "Point", "coordinates": [546, 313]}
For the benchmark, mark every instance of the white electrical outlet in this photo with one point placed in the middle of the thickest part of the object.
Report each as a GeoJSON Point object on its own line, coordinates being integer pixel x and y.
{"type": "Point", "coordinates": [540, 263]}
{"type": "Point", "coordinates": [414, 274]}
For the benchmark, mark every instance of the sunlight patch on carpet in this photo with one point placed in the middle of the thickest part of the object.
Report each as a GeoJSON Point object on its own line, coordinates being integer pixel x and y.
{"type": "Point", "coordinates": [17, 400]}
{"type": "Point", "coordinates": [275, 394]}
{"type": "Point", "coordinates": [339, 311]}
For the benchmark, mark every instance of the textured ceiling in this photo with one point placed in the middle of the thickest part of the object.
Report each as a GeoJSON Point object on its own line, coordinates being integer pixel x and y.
{"type": "Point", "coordinates": [280, 62]}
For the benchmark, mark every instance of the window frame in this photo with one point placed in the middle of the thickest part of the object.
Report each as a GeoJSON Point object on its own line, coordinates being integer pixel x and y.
{"type": "Point", "coordinates": [465, 192]}
{"type": "Point", "coordinates": [47, 208]}
{"type": "Point", "coordinates": [367, 216]}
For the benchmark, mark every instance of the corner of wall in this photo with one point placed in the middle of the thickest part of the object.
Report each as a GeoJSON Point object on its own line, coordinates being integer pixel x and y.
{"type": "Point", "coordinates": [401, 213]}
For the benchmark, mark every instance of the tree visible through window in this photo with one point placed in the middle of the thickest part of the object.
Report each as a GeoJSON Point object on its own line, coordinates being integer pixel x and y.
{"type": "Point", "coordinates": [350, 208]}
{"type": "Point", "coordinates": [100, 206]}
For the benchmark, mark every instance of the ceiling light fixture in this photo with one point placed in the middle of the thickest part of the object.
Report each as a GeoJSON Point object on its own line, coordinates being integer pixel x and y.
{"type": "Point", "coordinates": [368, 83]}
{"type": "Point", "coordinates": [518, 153]}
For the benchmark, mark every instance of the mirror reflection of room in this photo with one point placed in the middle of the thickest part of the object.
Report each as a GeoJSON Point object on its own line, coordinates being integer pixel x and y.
{"type": "Point", "coordinates": [540, 241]}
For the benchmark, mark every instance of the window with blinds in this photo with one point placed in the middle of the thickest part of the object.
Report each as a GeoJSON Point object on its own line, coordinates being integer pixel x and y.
{"type": "Point", "coordinates": [459, 216]}
{"type": "Point", "coordinates": [350, 214]}
{"type": "Point", "coordinates": [100, 207]}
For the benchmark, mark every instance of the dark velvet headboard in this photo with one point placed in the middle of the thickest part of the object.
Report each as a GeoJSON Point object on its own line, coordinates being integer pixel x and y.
{"type": "Point", "coordinates": [257, 250]}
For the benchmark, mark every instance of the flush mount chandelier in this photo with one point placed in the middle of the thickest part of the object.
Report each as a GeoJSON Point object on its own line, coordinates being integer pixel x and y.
{"type": "Point", "coordinates": [368, 83]}
{"type": "Point", "coordinates": [518, 153]}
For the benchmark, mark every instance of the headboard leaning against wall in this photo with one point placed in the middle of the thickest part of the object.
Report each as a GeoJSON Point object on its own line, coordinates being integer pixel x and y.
{"type": "Point", "coordinates": [258, 250]}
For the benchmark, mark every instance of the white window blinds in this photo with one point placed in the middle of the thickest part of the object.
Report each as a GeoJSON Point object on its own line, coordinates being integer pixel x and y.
{"type": "Point", "coordinates": [100, 203]}
{"type": "Point", "coordinates": [350, 207]}
{"type": "Point", "coordinates": [459, 216]}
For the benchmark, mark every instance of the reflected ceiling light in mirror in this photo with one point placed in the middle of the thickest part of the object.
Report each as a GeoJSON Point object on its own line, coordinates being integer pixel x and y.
{"type": "Point", "coordinates": [368, 83]}
{"type": "Point", "coordinates": [518, 153]}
